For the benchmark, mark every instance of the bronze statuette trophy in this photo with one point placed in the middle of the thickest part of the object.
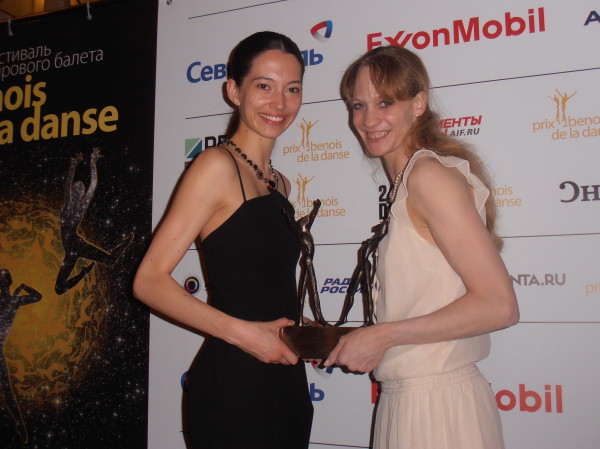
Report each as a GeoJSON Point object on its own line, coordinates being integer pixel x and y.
{"type": "Point", "coordinates": [317, 340]}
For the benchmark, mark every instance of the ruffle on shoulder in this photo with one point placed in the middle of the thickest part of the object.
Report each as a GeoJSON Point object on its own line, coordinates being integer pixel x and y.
{"type": "Point", "coordinates": [398, 209]}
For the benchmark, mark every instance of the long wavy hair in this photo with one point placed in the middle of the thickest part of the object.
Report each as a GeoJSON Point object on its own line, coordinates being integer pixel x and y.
{"type": "Point", "coordinates": [398, 75]}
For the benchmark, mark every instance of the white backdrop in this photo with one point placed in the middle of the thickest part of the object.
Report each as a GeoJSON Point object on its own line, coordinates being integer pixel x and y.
{"type": "Point", "coordinates": [496, 69]}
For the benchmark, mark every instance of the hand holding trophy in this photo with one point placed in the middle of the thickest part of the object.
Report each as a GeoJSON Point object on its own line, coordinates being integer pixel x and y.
{"type": "Point", "coordinates": [317, 340]}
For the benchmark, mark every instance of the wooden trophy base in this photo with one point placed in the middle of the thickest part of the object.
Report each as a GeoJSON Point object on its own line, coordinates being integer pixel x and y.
{"type": "Point", "coordinates": [313, 342]}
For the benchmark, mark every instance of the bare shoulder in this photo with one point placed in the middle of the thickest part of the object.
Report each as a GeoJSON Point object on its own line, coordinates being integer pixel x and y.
{"type": "Point", "coordinates": [214, 159]}
{"type": "Point", "coordinates": [211, 177]}
{"type": "Point", "coordinates": [430, 175]}
{"type": "Point", "coordinates": [436, 190]}
{"type": "Point", "coordinates": [213, 165]}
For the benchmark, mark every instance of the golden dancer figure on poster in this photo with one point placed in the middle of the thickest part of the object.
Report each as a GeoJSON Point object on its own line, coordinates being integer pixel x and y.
{"type": "Point", "coordinates": [9, 304]}
{"type": "Point", "coordinates": [561, 104]}
{"type": "Point", "coordinates": [77, 201]}
{"type": "Point", "coordinates": [46, 348]}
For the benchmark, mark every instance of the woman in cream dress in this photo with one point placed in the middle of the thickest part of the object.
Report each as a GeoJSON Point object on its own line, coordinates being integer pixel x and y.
{"type": "Point", "coordinates": [442, 286]}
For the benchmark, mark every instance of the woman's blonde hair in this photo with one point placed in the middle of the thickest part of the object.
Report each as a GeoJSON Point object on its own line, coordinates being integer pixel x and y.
{"type": "Point", "coordinates": [398, 74]}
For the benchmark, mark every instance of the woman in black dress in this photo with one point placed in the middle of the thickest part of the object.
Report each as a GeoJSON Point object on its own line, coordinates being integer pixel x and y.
{"type": "Point", "coordinates": [246, 388]}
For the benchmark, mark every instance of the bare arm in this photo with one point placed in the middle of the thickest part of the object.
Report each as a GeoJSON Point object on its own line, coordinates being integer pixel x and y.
{"type": "Point", "coordinates": [32, 295]}
{"type": "Point", "coordinates": [442, 201]}
{"type": "Point", "coordinates": [198, 207]}
{"type": "Point", "coordinates": [70, 175]}
{"type": "Point", "coordinates": [85, 202]}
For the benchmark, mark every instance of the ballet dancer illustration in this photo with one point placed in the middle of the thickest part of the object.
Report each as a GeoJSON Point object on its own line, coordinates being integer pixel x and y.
{"type": "Point", "coordinates": [76, 203]}
{"type": "Point", "coordinates": [9, 304]}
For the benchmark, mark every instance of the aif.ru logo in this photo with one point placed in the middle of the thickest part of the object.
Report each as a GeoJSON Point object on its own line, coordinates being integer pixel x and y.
{"type": "Point", "coordinates": [326, 25]}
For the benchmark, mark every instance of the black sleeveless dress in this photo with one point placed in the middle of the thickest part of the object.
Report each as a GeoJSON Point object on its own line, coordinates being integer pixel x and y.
{"type": "Point", "coordinates": [234, 400]}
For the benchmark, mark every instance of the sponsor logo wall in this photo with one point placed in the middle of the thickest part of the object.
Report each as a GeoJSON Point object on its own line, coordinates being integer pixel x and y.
{"type": "Point", "coordinates": [519, 82]}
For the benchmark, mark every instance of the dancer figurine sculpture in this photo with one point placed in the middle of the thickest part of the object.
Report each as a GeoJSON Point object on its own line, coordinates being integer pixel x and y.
{"type": "Point", "coordinates": [315, 341]}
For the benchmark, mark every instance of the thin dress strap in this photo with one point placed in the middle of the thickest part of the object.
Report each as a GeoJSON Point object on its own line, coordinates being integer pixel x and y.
{"type": "Point", "coordinates": [281, 177]}
{"type": "Point", "coordinates": [238, 171]}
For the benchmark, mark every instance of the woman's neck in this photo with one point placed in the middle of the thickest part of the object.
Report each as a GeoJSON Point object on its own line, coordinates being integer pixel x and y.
{"type": "Point", "coordinates": [255, 147]}
{"type": "Point", "coordinates": [395, 164]}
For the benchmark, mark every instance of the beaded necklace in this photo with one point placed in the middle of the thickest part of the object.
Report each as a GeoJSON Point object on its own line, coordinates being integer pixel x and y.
{"type": "Point", "coordinates": [259, 173]}
{"type": "Point", "coordinates": [394, 191]}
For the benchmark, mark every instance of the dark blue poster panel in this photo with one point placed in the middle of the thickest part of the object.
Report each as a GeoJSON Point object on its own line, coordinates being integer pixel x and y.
{"type": "Point", "coordinates": [76, 152]}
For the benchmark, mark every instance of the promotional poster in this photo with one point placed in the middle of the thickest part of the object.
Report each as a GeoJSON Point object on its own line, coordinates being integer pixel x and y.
{"type": "Point", "coordinates": [76, 145]}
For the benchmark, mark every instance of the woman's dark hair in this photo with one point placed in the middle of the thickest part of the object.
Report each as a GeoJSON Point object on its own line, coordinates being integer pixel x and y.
{"type": "Point", "coordinates": [246, 51]}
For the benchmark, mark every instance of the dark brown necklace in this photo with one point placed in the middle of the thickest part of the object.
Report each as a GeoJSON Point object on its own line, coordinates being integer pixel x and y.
{"type": "Point", "coordinates": [259, 173]}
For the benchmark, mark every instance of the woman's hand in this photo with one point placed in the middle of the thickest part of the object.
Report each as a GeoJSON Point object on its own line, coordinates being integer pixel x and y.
{"type": "Point", "coordinates": [360, 350]}
{"type": "Point", "coordinates": [308, 322]}
{"type": "Point", "coordinates": [261, 340]}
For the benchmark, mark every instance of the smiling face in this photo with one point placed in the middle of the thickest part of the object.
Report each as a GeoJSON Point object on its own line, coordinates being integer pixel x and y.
{"type": "Point", "coordinates": [270, 96]}
{"type": "Point", "coordinates": [382, 123]}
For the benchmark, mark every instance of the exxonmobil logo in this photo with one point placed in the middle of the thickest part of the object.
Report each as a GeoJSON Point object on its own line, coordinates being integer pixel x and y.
{"type": "Point", "coordinates": [464, 30]}
{"type": "Point", "coordinates": [522, 400]}
{"type": "Point", "coordinates": [526, 400]}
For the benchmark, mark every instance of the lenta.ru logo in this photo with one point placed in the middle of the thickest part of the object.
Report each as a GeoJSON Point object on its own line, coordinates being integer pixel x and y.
{"type": "Point", "coordinates": [539, 280]}
{"type": "Point", "coordinates": [562, 124]}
